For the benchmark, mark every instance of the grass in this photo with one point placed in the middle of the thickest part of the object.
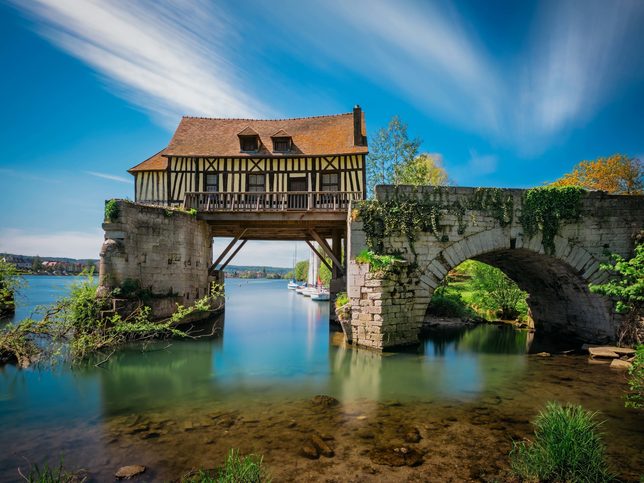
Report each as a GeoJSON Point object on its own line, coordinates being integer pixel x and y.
{"type": "Point", "coordinates": [236, 469]}
{"type": "Point", "coordinates": [567, 447]}
{"type": "Point", "coordinates": [47, 474]}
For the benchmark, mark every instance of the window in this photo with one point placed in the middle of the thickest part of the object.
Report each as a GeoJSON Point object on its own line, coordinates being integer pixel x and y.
{"type": "Point", "coordinates": [256, 182]}
{"type": "Point", "coordinates": [330, 182]}
{"type": "Point", "coordinates": [212, 182]}
{"type": "Point", "coordinates": [282, 144]}
{"type": "Point", "coordinates": [249, 143]}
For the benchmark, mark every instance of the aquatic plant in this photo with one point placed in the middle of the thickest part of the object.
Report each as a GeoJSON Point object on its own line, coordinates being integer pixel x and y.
{"type": "Point", "coordinates": [236, 469]}
{"type": "Point", "coordinates": [47, 474]}
{"type": "Point", "coordinates": [567, 447]}
{"type": "Point", "coordinates": [635, 398]}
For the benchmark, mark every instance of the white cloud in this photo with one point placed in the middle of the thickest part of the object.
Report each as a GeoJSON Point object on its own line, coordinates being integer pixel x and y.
{"type": "Point", "coordinates": [168, 58]}
{"type": "Point", "coordinates": [482, 164]}
{"type": "Point", "coordinates": [111, 177]}
{"type": "Point", "coordinates": [71, 244]}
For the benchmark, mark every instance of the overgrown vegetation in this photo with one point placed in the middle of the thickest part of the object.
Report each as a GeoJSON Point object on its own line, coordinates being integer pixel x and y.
{"type": "Point", "coordinates": [378, 263]}
{"type": "Point", "coordinates": [475, 289]}
{"type": "Point", "coordinates": [567, 447]}
{"type": "Point", "coordinates": [10, 283]}
{"type": "Point", "coordinates": [545, 208]}
{"type": "Point", "coordinates": [626, 288]}
{"type": "Point", "coordinates": [48, 474]}
{"type": "Point", "coordinates": [81, 325]}
{"type": "Point", "coordinates": [111, 210]}
{"type": "Point", "coordinates": [635, 398]}
{"type": "Point", "coordinates": [236, 469]}
{"type": "Point", "coordinates": [341, 299]}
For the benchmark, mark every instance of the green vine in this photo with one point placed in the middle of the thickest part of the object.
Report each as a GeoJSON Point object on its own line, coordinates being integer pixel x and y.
{"type": "Point", "coordinates": [410, 214]}
{"type": "Point", "coordinates": [543, 209]}
{"type": "Point", "coordinates": [111, 210]}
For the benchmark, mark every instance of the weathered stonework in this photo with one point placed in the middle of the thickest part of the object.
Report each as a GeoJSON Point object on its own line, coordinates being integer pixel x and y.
{"type": "Point", "coordinates": [389, 310]}
{"type": "Point", "coordinates": [166, 251]}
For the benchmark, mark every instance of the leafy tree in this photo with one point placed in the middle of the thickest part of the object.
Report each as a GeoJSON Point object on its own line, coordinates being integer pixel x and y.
{"type": "Point", "coordinates": [301, 270]}
{"type": "Point", "coordinates": [10, 282]}
{"type": "Point", "coordinates": [422, 170]}
{"type": "Point", "coordinates": [36, 264]}
{"type": "Point", "coordinates": [389, 147]}
{"type": "Point", "coordinates": [617, 174]}
{"type": "Point", "coordinates": [635, 399]}
{"type": "Point", "coordinates": [627, 289]}
{"type": "Point", "coordinates": [494, 290]}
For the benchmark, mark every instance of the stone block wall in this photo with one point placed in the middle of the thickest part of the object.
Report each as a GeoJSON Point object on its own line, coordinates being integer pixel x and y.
{"type": "Point", "coordinates": [557, 282]}
{"type": "Point", "coordinates": [168, 252]}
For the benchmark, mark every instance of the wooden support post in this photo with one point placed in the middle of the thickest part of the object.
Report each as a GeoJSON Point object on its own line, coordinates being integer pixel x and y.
{"type": "Point", "coordinates": [223, 254]}
{"type": "Point", "coordinates": [336, 247]}
{"type": "Point", "coordinates": [230, 258]}
{"type": "Point", "coordinates": [319, 255]}
{"type": "Point", "coordinates": [325, 246]}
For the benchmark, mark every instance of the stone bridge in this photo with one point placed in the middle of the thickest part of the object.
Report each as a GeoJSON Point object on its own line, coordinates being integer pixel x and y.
{"type": "Point", "coordinates": [487, 225]}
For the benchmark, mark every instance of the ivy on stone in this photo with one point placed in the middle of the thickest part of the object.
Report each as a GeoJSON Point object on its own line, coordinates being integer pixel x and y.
{"type": "Point", "coordinates": [545, 208]}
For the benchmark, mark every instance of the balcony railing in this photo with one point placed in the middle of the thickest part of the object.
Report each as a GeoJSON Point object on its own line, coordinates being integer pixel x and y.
{"type": "Point", "coordinates": [275, 201]}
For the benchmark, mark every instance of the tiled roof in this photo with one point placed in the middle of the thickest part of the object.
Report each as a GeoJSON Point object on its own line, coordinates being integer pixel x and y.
{"type": "Point", "coordinates": [156, 162]}
{"type": "Point", "coordinates": [322, 135]}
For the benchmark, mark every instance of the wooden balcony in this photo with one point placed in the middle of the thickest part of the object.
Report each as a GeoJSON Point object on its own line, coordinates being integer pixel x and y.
{"type": "Point", "coordinates": [262, 202]}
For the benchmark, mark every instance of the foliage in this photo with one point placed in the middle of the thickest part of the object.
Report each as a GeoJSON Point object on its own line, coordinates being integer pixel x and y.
{"type": "Point", "coordinates": [546, 207]}
{"type": "Point", "coordinates": [324, 273]}
{"type": "Point", "coordinates": [47, 474]}
{"type": "Point", "coordinates": [617, 174]}
{"type": "Point", "coordinates": [192, 212]}
{"type": "Point", "coordinates": [78, 324]}
{"type": "Point", "coordinates": [567, 447]}
{"type": "Point", "coordinates": [236, 469]}
{"type": "Point", "coordinates": [635, 398]}
{"type": "Point", "coordinates": [301, 270]}
{"type": "Point", "coordinates": [389, 148]}
{"type": "Point", "coordinates": [341, 299]}
{"type": "Point", "coordinates": [10, 283]}
{"type": "Point", "coordinates": [424, 169]}
{"type": "Point", "coordinates": [449, 305]}
{"type": "Point", "coordinates": [111, 210]}
{"type": "Point", "coordinates": [36, 264]}
{"type": "Point", "coordinates": [495, 291]}
{"type": "Point", "coordinates": [377, 262]}
{"type": "Point", "coordinates": [627, 289]}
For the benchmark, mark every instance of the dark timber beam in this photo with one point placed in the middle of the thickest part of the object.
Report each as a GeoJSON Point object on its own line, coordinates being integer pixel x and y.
{"type": "Point", "coordinates": [325, 246]}
{"type": "Point", "coordinates": [319, 255]}
{"type": "Point", "coordinates": [230, 258]}
{"type": "Point", "coordinates": [223, 254]}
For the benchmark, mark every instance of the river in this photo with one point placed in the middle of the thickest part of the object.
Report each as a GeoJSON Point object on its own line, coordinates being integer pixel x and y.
{"type": "Point", "coordinates": [173, 406]}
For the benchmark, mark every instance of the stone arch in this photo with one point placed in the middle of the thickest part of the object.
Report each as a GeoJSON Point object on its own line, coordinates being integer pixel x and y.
{"type": "Point", "coordinates": [560, 300]}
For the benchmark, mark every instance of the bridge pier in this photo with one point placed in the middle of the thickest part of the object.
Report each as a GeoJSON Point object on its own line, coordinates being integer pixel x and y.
{"type": "Point", "coordinates": [162, 253]}
{"type": "Point", "coordinates": [388, 307]}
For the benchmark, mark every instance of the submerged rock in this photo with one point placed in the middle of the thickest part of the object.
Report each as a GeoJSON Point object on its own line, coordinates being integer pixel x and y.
{"type": "Point", "coordinates": [130, 471]}
{"type": "Point", "coordinates": [604, 352]}
{"type": "Point", "coordinates": [322, 446]}
{"type": "Point", "coordinates": [396, 456]}
{"type": "Point", "coordinates": [309, 451]}
{"type": "Point", "coordinates": [620, 365]}
{"type": "Point", "coordinates": [412, 436]}
{"type": "Point", "coordinates": [324, 401]}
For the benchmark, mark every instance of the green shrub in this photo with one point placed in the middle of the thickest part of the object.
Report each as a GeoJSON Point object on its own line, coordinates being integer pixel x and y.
{"type": "Point", "coordinates": [449, 305]}
{"type": "Point", "coordinates": [236, 469]}
{"type": "Point", "coordinates": [111, 210]}
{"type": "Point", "coordinates": [377, 262]}
{"type": "Point", "coordinates": [567, 447]}
{"type": "Point", "coordinates": [341, 300]}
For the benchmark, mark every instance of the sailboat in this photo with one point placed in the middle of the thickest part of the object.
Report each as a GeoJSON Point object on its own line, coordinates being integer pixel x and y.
{"type": "Point", "coordinates": [292, 285]}
{"type": "Point", "coordinates": [320, 294]}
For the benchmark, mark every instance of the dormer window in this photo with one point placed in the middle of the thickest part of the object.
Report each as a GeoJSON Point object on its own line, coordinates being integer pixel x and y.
{"type": "Point", "coordinates": [249, 143]}
{"type": "Point", "coordinates": [281, 141]}
{"type": "Point", "coordinates": [248, 140]}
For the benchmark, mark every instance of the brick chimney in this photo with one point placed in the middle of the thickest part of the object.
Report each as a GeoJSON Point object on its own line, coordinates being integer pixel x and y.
{"type": "Point", "coordinates": [358, 138]}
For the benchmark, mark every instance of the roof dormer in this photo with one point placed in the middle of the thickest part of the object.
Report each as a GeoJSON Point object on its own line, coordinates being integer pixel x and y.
{"type": "Point", "coordinates": [248, 140]}
{"type": "Point", "coordinates": [282, 141]}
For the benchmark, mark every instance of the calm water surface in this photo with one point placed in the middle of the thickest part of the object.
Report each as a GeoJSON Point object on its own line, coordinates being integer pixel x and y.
{"type": "Point", "coordinates": [178, 405]}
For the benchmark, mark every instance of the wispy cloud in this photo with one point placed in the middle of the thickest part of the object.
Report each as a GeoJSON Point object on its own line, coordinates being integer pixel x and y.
{"type": "Point", "coordinates": [111, 177]}
{"type": "Point", "coordinates": [27, 176]}
{"type": "Point", "coordinates": [72, 244]}
{"type": "Point", "coordinates": [168, 58]}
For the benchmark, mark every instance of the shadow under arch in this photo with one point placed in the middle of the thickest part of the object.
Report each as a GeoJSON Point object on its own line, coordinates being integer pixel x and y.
{"type": "Point", "coordinates": [558, 284]}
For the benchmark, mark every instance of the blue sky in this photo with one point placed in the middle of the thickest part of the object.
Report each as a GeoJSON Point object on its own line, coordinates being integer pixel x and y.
{"type": "Point", "coordinates": [508, 93]}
